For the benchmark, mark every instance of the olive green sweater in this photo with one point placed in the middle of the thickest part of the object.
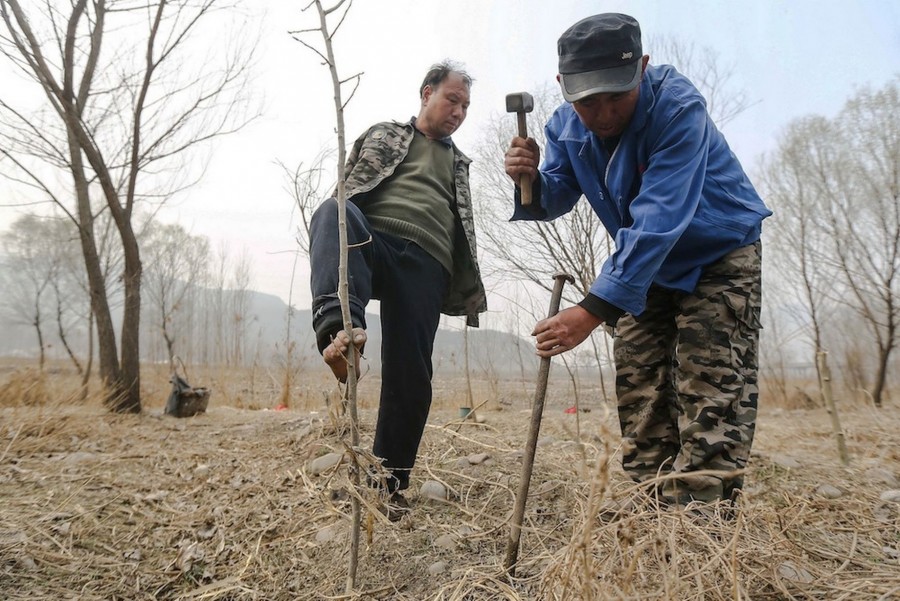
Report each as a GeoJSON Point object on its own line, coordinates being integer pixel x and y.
{"type": "Point", "coordinates": [414, 203]}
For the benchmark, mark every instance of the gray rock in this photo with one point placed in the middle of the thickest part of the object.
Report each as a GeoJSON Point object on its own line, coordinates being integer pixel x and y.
{"type": "Point", "coordinates": [432, 489]}
{"type": "Point", "coordinates": [788, 463]}
{"type": "Point", "coordinates": [132, 555]}
{"type": "Point", "coordinates": [478, 458]}
{"type": "Point", "coordinates": [462, 463]}
{"type": "Point", "coordinates": [328, 534]}
{"type": "Point", "coordinates": [890, 496]}
{"type": "Point", "coordinates": [324, 463]}
{"type": "Point", "coordinates": [829, 492]}
{"type": "Point", "coordinates": [438, 567]}
{"type": "Point", "coordinates": [446, 542]}
{"type": "Point", "coordinates": [546, 489]}
{"type": "Point", "coordinates": [791, 571]}
{"type": "Point", "coordinates": [880, 475]}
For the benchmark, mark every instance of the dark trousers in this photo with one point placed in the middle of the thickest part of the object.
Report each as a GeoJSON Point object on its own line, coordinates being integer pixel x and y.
{"type": "Point", "coordinates": [411, 285]}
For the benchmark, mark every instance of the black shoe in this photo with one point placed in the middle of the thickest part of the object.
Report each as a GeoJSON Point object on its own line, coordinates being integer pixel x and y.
{"type": "Point", "coordinates": [396, 508]}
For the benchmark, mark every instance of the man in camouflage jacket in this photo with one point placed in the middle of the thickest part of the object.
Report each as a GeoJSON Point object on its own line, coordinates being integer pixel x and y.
{"type": "Point", "coordinates": [411, 234]}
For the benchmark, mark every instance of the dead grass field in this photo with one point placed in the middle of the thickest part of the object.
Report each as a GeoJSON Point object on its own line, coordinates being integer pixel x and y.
{"type": "Point", "coordinates": [224, 506]}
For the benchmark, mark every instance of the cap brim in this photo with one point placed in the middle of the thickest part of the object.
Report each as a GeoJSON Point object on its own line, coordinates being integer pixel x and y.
{"type": "Point", "coordinates": [576, 86]}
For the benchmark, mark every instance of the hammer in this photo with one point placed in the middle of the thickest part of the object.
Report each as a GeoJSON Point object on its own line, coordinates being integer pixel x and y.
{"type": "Point", "coordinates": [537, 411]}
{"type": "Point", "coordinates": [521, 103]}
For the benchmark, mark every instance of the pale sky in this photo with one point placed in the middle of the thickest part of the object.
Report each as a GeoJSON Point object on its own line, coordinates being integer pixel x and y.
{"type": "Point", "coordinates": [792, 57]}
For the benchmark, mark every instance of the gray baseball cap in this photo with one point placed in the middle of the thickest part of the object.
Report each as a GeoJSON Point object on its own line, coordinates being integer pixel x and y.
{"type": "Point", "coordinates": [601, 53]}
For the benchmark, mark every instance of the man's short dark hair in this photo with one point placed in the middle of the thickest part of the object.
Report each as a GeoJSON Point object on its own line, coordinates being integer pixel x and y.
{"type": "Point", "coordinates": [440, 71]}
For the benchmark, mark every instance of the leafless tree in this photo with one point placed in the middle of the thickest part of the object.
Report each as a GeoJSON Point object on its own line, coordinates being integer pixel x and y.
{"type": "Point", "coordinates": [239, 307]}
{"type": "Point", "coordinates": [576, 243]}
{"type": "Point", "coordinates": [175, 262]}
{"type": "Point", "coordinates": [121, 123]}
{"type": "Point", "coordinates": [338, 12]}
{"type": "Point", "coordinates": [802, 244]}
{"type": "Point", "coordinates": [704, 67]}
{"type": "Point", "coordinates": [839, 186]}
{"type": "Point", "coordinates": [863, 187]}
{"type": "Point", "coordinates": [309, 184]}
{"type": "Point", "coordinates": [32, 264]}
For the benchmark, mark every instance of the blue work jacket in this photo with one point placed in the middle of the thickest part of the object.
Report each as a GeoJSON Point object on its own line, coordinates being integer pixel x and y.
{"type": "Point", "coordinates": [673, 195]}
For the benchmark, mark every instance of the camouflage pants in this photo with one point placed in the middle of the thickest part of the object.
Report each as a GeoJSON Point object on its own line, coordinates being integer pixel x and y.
{"type": "Point", "coordinates": [686, 380]}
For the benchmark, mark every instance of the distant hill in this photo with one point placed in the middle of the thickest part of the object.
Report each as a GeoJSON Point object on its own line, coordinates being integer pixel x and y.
{"type": "Point", "coordinates": [489, 350]}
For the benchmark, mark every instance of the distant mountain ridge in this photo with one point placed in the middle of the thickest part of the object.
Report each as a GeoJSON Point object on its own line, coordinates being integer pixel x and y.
{"type": "Point", "coordinates": [492, 350]}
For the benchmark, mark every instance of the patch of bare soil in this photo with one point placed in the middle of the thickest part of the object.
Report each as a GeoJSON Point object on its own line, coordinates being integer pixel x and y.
{"type": "Point", "coordinates": [226, 506]}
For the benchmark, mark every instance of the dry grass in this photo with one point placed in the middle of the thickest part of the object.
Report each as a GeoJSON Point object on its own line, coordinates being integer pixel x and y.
{"type": "Point", "coordinates": [224, 506]}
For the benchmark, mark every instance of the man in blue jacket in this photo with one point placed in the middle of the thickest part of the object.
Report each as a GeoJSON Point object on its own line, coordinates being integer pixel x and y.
{"type": "Point", "coordinates": [682, 288]}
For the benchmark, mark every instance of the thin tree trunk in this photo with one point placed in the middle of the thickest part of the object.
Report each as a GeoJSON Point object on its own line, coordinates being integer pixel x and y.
{"type": "Point", "coordinates": [828, 399]}
{"type": "Point", "coordinates": [343, 287]}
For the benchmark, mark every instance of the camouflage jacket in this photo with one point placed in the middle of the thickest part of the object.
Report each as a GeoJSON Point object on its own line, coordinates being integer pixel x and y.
{"type": "Point", "coordinates": [373, 158]}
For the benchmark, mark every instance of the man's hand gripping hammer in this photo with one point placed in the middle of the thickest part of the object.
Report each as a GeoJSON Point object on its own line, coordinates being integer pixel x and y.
{"type": "Point", "coordinates": [521, 103]}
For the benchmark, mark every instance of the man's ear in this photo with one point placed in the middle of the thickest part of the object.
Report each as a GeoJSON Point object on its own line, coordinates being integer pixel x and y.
{"type": "Point", "coordinates": [557, 77]}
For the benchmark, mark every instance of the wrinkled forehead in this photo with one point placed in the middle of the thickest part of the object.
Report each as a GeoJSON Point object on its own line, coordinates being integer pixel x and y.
{"type": "Point", "coordinates": [454, 84]}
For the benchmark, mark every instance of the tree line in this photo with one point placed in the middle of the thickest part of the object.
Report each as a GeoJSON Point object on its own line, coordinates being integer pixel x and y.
{"type": "Point", "coordinates": [129, 103]}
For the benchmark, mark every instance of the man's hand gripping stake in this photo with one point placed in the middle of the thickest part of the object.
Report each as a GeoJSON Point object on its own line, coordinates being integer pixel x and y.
{"type": "Point", "coordinates": [521, 103]}
{"type": "Point", "coordinates": [537, 410]}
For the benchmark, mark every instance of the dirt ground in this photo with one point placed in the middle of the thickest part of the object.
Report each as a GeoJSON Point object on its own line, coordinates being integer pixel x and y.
{"type": "Point", "coordinates": [226, 505]}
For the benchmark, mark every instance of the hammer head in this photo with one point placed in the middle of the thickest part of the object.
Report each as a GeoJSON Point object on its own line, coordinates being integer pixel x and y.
{"type": "Point", "coordinates": [520, 102]}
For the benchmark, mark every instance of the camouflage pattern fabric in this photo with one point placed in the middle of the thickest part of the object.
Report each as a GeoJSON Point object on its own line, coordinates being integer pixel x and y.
{"type": "Point", "coordinates": [686, 381]}
{"type": "Point", "coordinates": [373, 158]}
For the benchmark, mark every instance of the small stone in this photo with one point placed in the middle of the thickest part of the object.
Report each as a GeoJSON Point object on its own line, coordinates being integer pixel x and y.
{"type": "Point", "coordinates": [432, 489]}
{"type": "Point", "coordinates": [446, 542]}
{"type": "Point", "coordinates": [480, 418]}
{"type": "Point", "coordinates": [829, 492]}
{"type": "Point", "coordinates": [890, 496]}
{"type": "Point", "coordinates": [207, 531]}
{"type": "Point", "coordinates": [790, 571]}
{"type": "Point", "coordinates": [201, 471]}
{"type": "Point", "coordinates": [132, 555]}
{"type": "Point", "coordinates": [63, 528]}
{"type": "Point", "coordinates": [478, 458]}
{"type": "Point", "coordinates": [465, 530]}
{"type": "Point", "coordinates": [785, 462]}
{"type": "Point", "coordinates": [324, 463]}
{"type": "Point", "coordinates": [438, 567]}
{"type": "Point", "coordinates": [891, 552]}
{"type": "Point", "coordinates": [879, 475]}
{"type": "Point", "coordinates": [328, 533]}
{"type": "Point", "coordinates": [462, 463]}
{"type": "Point", "coordinates": [27, 562]}
{"type": "Point", "coordinates": [884, 513]}
{"type": "Point", "coordinates": [546, 440]}
{"type": "Point", "coordinates": [545, 490]}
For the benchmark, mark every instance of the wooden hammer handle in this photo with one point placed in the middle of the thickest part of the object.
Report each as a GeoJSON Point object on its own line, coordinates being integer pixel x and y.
{"type": "Point", "coordinates": [524, 179]}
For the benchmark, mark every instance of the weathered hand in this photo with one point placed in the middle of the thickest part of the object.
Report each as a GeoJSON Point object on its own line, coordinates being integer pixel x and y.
{"type": "Point", "coordinates": [335, 353]}
{"type": "Point", "coordinates": [522, 157]}
{"type": "Point", "coordinates": [564, 331]}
